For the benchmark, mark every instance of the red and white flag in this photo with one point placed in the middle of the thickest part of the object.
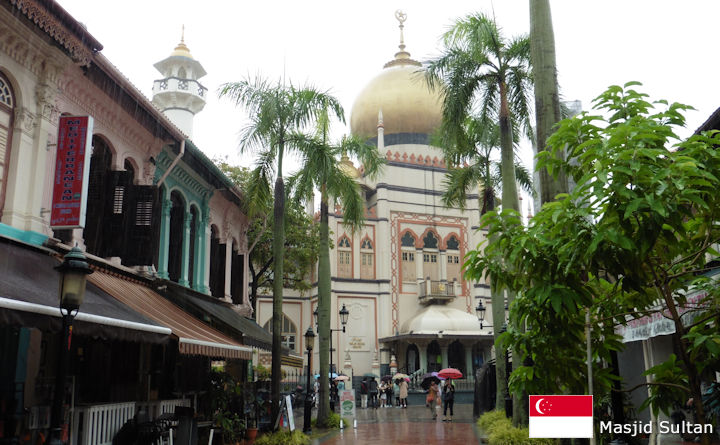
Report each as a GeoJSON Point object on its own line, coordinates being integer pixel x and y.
{"type": "Point", "coordinates": [561, 416]}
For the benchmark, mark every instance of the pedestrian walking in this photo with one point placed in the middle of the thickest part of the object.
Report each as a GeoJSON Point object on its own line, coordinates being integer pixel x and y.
{"type": "Point", "coordinates": [373, 390]}
{"type": "Point", "coordinates": [448, 399]}
{"type": "Point", "coordinates": [364, 393]}
{"type": "Point", "coordinates": [383, 394]}
{"type": "Point", "coordinates": [403, 393]}
{"type": "Point", "coordinates": [432, 397]}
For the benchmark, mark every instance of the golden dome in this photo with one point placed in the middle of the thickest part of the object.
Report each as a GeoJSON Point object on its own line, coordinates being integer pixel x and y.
{"type": "Point", "coordinates": [402, 95]}
{"type": "Point", "coordinates": [182, 50]}
{"type": "Point", "coordinates": [348, 167]}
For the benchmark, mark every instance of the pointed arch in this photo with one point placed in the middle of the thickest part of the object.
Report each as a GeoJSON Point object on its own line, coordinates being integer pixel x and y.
{"type": "Point", "coordinates": [367, 259]}
{"type": "Point", "coordinates": [289, 331]}
{"type": "Point", "coordinates": [7, 115]}
{"type": "Point", "coordinates": [344, 257]}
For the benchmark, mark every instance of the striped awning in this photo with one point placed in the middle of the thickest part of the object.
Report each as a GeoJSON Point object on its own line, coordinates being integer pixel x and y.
{"type": "Point", "coordinates": [194, 336]}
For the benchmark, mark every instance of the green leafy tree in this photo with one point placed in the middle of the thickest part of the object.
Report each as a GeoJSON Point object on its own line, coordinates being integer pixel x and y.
{"type": "Point", "coordinates": [323, 170]}
{"type": "Point", "coordinates": [302, 239]}
{"type": "Point", "coordinates": [480, 69]}
{"type": "Point", "coordinates": [633, 237]}
{"type": "Point", "coordinates": [548, 111]}
{"type": "Point", "coordinates": [275, 111]}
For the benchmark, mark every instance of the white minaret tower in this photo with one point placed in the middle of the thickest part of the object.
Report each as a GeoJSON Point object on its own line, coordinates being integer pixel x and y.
{"type": "Point", "coordinates": [179, 94]}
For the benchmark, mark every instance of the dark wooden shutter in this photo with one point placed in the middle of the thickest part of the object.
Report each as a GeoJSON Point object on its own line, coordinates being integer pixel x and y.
{"type": "Point", "coordinates": [117, 193]}
{"type": "Point", "coordinates": [217, 268]}
{"type": "Point", "coordinates": [236, 283]}
{"type": "Point", "coordinates": [142, 226]}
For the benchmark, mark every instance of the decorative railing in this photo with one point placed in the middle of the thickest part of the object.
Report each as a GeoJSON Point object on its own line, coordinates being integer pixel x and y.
{"type": "Point", "coordinates": [429, 290]}
{"type": "Point", "coordinates": [98, 424]}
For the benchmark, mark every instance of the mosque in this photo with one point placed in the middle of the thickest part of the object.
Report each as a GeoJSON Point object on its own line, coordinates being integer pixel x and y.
{"type": "Point", "coordinates": [400, 276]}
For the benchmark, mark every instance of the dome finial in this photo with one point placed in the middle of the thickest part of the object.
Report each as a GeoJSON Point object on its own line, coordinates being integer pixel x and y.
{"type": "Point", "coordinates": [401, 17]}
{"type": "Point", "coordinates": [402, 57]}
{"type": "Point", "coordinates": [182, 35]}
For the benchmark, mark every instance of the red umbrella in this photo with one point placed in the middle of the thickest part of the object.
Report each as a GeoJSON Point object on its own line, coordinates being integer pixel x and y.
{"type": "Point", "coordinates": [450, 373]}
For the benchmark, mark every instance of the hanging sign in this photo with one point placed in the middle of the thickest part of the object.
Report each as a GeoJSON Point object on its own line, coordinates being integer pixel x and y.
{"type": "Point", "coordinates": [72, 172]}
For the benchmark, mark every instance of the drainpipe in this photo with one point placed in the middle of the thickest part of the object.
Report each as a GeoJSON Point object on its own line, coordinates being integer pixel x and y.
{"type": "Point", "coordinates": [173, 164]}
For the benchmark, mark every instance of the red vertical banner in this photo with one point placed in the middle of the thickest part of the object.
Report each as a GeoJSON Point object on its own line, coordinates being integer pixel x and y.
{"type": "Point", "coordinates": [72, 172]}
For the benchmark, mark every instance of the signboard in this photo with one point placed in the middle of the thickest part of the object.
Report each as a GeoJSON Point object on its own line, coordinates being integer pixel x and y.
{"type": "Point", "coordinates": [72, 172]}
{"type": "Point", "coordinates": [291, 418]}
{"type": "Point", "coordinates": [659, 323]}
{"type": "Point", "coordinates": [347, 403]}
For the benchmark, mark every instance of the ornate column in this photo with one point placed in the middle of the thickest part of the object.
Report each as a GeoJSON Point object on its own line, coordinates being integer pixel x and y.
{"type": "Point", "coordinates": [228, 268]}
{"type": "Point", "coordinates": [207, 240]}
{"type": "Point", "coordinates": [185, 262]}
{"type": "Point", "coordinates": [468, 363]}
{"type": "Point", "coordinates": [164, 239]}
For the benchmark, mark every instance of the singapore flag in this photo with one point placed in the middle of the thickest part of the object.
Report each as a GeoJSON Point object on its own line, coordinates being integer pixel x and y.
{"type": "Point", "coordinates": [561, 416]}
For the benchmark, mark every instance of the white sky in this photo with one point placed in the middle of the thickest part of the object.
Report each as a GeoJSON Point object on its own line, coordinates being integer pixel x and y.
{"type": "Point", "coordinates": [340, 46]}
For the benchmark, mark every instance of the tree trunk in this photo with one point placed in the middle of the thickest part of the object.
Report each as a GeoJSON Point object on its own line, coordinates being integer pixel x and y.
{"type": "Point", "coordinates": [547, 100]}
{"type": "Point", "coordinates": [278, 258]}
{"type": "Point", "coordinates": [324, 312]}
{"type": "Point", "coordinates": [507, 155]}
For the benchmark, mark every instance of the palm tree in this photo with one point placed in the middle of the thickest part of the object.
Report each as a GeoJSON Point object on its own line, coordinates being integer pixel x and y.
{"type": "Point", "coordinates": [480, 69]}
{"type": "Point", "coordinates": [322, 170]}
{"type": "Point", "coordinates": [276, 112]}
{"type": "Point", "coordinates": [548, 110]}
{"type": "Point", "coordinates": [470, 165]}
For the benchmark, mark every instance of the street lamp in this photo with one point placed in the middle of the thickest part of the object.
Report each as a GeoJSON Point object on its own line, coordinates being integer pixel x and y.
{"type": "Point", "coordinates": [73, 275]}
{"type": "Point", "coordinates": [344, 314]}
{"type": "Point", "coordinates": [480, 312]}
{"type": "Point", "coordinates": [309, 341]}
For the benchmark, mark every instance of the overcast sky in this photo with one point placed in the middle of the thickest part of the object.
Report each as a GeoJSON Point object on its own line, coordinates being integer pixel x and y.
{"type": "Point", "coordinates": [341, 46]}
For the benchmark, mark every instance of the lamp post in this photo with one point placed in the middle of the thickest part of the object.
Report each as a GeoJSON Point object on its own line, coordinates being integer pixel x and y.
{"type": "Point", "coordinates": [480, 312]}
{"type": "Point", "coordinates": [73, 275]}
{"type": "Point", "coordinates": [309, 341]}
{"type": "Point", "coordinates": [344, 313]}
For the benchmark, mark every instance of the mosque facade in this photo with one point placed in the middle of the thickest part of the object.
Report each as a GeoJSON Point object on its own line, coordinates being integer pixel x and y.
{"type": "Point", "coordinates": [400, 276]}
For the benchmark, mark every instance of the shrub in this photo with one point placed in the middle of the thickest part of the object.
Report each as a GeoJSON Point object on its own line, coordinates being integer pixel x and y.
{"type": "Point", "coordinates": [489, 419]}
{"type": "Point", "coordinates": [503, 433]}
{"type": "Point", "coordinates": [333, 421]}
{"type": "Point", "coordinates": [284, 438]}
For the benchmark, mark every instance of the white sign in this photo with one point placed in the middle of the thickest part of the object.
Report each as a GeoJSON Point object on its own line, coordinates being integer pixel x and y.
{"type": "Point", "coordinates": [291, 418]}
{"type": "Point", "coordinates": [659, 323]}
{"type": "Point", "coordinates": [347, 403]}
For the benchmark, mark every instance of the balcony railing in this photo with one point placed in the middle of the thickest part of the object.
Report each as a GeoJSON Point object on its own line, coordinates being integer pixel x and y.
{"type": "Point", "coordinates": [430, 291]}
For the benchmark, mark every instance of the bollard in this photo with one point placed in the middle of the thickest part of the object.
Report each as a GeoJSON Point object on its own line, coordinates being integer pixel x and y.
{"type": "Point", "coordinates": [355, 423]}
{"type": "Point", "coordinates": [342, 424]}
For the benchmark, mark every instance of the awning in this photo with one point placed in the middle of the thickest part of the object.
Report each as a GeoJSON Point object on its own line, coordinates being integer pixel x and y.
{"type": "Point", "coordinates": [194, 336]}
{"type": "Point", "coordinates": [29, 297]}
{"type": "Point", "coordinates": [253, 334]}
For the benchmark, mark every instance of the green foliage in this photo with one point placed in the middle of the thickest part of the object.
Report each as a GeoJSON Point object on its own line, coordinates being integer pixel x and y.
{"type": "Point", "coordinates": [631, 239]}
{"type": "Point", "coordinates": [665, 397]}
{"type": "Point", "coordinates": [301, 237]}
{"type": "Point", "coordinates": [333, 421]}
{"type": "Point", "coordinates": [284, 438]}
{"type": "Point", "coordinates": [490, 418]}
{"type": "Point", "coordinates": [500, 431]}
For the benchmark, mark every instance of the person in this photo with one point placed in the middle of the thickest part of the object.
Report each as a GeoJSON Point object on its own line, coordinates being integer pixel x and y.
{"type": "Point", "coordinates": [364, 393]}
{"type": "Point", "coordinates": [373, 390]}
{"type": "Point", "coordinates": [383, 394]}
{"type": "Point", "coordinates": [341, 385]}
{"type": "Point", "coordinates": [403, 392]}
{"type": "Point", "coordinates": [396, 391]}
{"type": "Point", "coordinates": [430, 400]}
{"type": "Point", "coordinates": [333, 395]}
{"type": "Point", "coordinates": [448, 399]}
{"type": "Point", "coordinates": [316, 389]}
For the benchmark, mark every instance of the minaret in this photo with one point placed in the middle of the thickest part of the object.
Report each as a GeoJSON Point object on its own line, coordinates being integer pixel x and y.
{"type": "Point", "coordinates": [381, 132]}
{"type": "Point", "coordinates": [179, 94]}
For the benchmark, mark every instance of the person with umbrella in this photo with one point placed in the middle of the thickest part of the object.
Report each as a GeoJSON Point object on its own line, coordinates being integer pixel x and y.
{"type": "Point", "coordinates": [373, 390]}
{"type": "Point", "coordinates": [432, 397]}
{"type": "Point", "coordinates": [448, 399]}
{"type": "Point", "coordinates": [403, 392]}
{"type": "Point", "coordinates": [364, 393]}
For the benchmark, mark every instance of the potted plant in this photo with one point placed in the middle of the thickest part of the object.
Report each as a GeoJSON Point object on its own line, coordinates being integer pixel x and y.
{"type": "Point", "coordinates": [233, 427]}
{"type": "Point", "coordinates": [252, 429]}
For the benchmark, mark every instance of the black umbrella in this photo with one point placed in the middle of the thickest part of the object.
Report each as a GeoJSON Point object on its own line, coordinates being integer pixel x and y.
{"type": "Point", "coordinates": [427, 381]}
{"type": "Point", "coordinates": [386, 378]}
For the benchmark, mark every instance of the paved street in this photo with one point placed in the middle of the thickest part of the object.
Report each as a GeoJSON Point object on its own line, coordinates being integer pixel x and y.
{"type": "Point", "coordinates": [406, 426]}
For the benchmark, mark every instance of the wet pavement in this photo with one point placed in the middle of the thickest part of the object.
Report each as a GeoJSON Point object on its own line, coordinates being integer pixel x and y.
{"type": "Point", "coordinates": [413, 425]}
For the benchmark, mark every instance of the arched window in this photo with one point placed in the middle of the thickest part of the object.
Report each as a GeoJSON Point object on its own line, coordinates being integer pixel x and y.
{"type": "Point", "coordinates": [217, 264]}
{"type": "Point", "coordinates": [434, 357]}
{"type": "Point", "coordinates": [431, 267]}
{"type": "Point", "coordinates": [177, 231]}
{"type": "Point", "coordinates": [7, 111]}
{"type": "Point", "coordinates": [289, 331]}
{"type": "Point", "coordinates": [367, 259]}
{"type": "Point", "coordinates": [412, 358]}
{"type": "Point", "coordinates": [456, 356]}
{"type": "Point", "coordinates": [344, 258]}
{"type": "Point", "coordinates": [453, 259]}
{"type": "Point", "coordinates": [407, 257]}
